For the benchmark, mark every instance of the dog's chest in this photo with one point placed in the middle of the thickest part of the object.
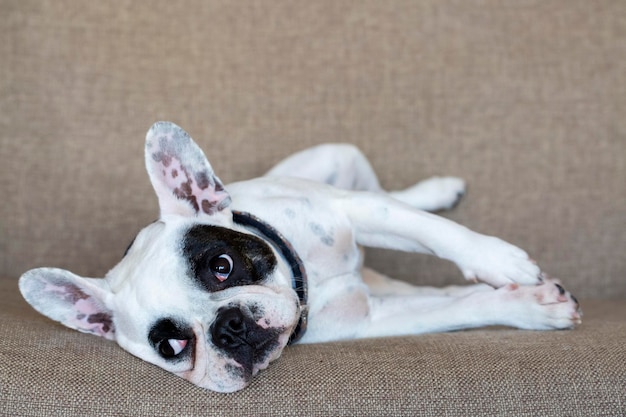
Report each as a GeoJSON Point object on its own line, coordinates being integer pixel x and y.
{"type": "Point", "coordinates": [321, 235]}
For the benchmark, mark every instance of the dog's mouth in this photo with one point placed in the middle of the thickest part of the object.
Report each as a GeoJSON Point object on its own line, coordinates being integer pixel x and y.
{"type": "Point", "coordinates": [251, 344]}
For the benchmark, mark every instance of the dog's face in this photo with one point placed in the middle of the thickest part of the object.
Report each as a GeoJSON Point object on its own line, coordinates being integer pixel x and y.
{"type": "Point", "coordinates": [195, 294]}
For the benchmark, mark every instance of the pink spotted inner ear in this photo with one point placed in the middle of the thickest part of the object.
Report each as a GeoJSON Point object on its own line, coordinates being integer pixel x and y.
{"type": "Point", "coordinates": [76, 302]}
{"type": "Point", "coordinates": [181, 174]}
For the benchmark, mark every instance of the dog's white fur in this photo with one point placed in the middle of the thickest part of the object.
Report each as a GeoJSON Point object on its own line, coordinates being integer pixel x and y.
{"type": "Point", "coordinates": [327, 202]}
{"type": "Point", "coordinates": [396, 220]}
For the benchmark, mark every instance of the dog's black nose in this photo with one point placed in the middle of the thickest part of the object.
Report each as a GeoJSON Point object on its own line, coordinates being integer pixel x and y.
{"type": "Point", "coordinates": [229, 330]}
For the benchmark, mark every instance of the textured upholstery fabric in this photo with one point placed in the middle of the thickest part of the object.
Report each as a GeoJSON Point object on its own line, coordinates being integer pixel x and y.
{"type": "Point", "coordinates": [50, 370]}
{"type": "Point", "coordinates": [524, 99]}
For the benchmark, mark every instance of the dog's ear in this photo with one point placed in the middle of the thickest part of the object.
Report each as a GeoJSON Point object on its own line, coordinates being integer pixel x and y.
{"type": "Point", "coordinates": [181, 175]}
{"type": "Point", "coordinates": [76, 302]}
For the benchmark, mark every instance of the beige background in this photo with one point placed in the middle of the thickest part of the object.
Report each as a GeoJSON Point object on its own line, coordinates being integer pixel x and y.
{"type": "Point", "coordinates": [524, 99]}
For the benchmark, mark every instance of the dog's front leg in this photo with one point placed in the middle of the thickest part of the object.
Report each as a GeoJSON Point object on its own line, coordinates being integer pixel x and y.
{"type": "Point", "coordinates": [381, 221]}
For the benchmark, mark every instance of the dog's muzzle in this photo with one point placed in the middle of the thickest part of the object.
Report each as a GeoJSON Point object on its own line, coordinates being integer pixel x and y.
{"type": "Point", "coordinates": [238, 336]}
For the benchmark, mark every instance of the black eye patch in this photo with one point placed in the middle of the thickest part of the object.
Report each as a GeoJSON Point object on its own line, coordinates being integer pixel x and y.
{"type": "Point", "coordinates": [252, 258]}
{"type": "Point", "coordinates": [166, 330]}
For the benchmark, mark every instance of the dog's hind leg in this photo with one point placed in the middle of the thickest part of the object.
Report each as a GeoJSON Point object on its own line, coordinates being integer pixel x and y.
{"type": "Point", "coordinates": [344, 166]}
{"type": "Point", "coordinates": [432, 194]}
{"type": "Point", "coordinates": [341, 165]}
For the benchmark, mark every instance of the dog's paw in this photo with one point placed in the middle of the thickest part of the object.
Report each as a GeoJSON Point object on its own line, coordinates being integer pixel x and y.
{"type": "Point", "coordinates": [433, 194]}
{"type": "Point", "coordinates": [497, 263]}
{"type": "Point", "coordinates": [540, 307]}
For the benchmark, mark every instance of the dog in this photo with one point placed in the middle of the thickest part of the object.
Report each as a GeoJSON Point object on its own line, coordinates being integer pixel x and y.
{"type": "Point", "coordinates": [227, 277]}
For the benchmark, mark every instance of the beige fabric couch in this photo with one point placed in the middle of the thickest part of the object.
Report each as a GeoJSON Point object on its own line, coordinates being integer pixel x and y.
{"type": "Point", "coordinates": [524, 99]}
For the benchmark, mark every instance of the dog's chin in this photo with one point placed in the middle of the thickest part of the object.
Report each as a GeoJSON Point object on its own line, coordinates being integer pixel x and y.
{"type": "Point", "coordinates": [224, 387]}
{"type": "Point", "coordinates": [237, 377]}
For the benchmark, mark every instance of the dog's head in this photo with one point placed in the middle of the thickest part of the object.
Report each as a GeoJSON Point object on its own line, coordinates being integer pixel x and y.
{"type": "Point", "coordinates": [195, 294]}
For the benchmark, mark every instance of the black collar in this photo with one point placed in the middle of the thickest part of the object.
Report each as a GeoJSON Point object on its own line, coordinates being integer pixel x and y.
{"type": "Point", "coordinates": [298, 274]}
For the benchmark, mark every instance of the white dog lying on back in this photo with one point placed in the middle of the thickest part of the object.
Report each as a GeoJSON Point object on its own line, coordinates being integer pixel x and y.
{"type": "Point", "coordinates": [228, 276]}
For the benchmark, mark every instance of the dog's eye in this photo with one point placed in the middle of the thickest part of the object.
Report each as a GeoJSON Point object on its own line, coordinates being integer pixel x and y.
{"type": "Point", "coordinates": [168, 348]}
{"type": "Point", "coordinates": [221, 266]}
{"type": "Point", "coordinates": [172, 339]}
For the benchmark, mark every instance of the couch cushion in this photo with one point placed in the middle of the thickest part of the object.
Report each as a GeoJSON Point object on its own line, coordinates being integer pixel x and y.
{"type": "Point", "coordinates": [46, 369]}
